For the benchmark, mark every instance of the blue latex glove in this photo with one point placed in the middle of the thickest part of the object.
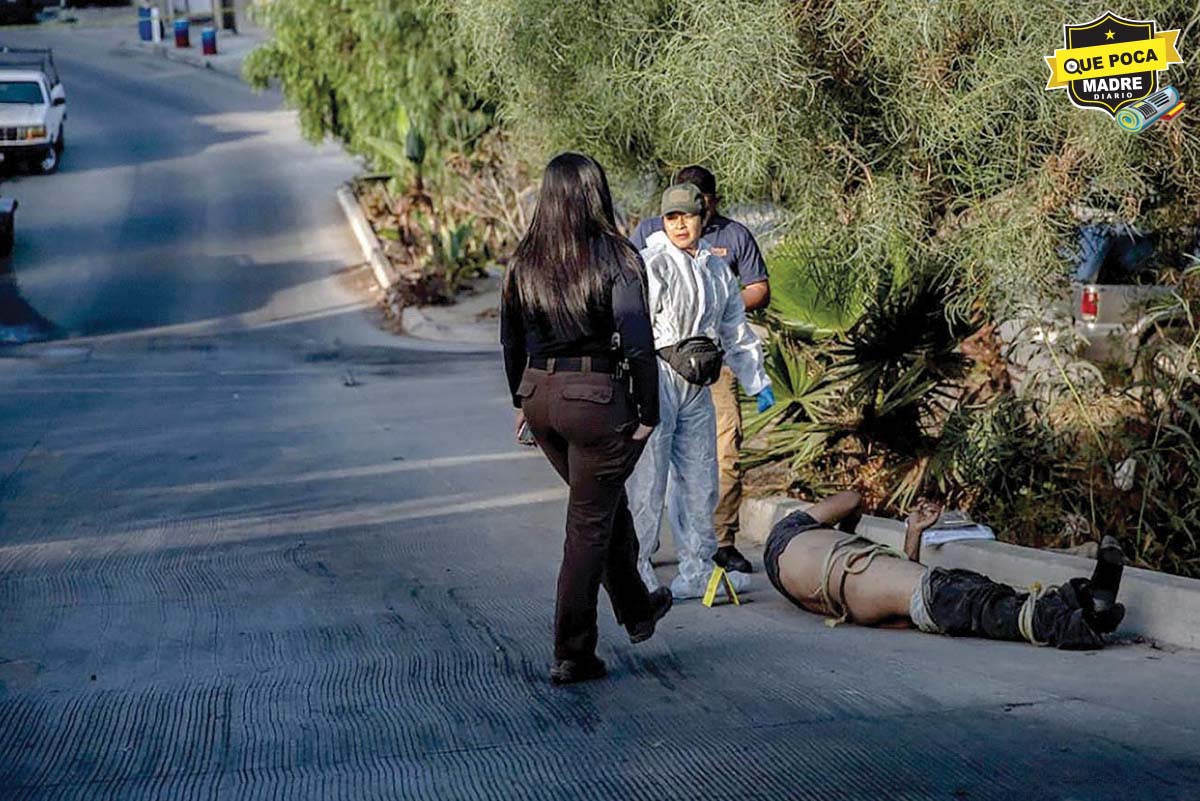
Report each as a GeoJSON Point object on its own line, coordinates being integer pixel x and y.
{"type": "Point", "coordinates": [766, 399]}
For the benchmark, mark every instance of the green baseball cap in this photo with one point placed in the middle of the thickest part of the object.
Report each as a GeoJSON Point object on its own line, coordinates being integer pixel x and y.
{"type": "Point", "coordinates": [682, 199]}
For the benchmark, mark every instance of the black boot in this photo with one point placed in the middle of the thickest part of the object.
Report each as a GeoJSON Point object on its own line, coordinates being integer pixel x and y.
{"type": "Point", "coordinates": [1095, 600]}
{"type": "Point", "coordinates": [1106, 578]}
{"type": "Point", "coordinates": [732, 560]}
{"type": "Point", "coordinates": [1063, 617]}
{"type": "Point", "coordinates": [965, 603]}
{"type": "Point", "coordinates": [660, 603]}
{"type": "Point", "coordinates": [571, 671]}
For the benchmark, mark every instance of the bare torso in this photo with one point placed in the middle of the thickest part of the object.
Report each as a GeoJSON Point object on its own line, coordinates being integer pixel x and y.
{"type": "Point", "coordinates": [879, 595]}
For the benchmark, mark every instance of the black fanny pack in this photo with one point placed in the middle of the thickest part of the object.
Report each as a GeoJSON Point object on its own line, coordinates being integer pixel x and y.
{"type": "Point", "coordinates": [697, 359]}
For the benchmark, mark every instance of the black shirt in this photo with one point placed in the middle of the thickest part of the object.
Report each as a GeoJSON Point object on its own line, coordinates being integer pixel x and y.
{"type": "Point", "coordinates": [621, 309]}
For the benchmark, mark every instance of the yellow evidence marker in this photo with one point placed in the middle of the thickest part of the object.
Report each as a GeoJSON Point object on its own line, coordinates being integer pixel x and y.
{"type": "Point", "coordinates": [715, 580]}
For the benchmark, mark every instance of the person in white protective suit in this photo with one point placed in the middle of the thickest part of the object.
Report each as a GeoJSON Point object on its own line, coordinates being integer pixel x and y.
{"type": "Point", "coordinates": [697, 312]}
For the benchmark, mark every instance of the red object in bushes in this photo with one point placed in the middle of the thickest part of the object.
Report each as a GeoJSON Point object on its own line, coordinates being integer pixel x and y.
{"type": "Point", "coordinates": [1089, 304]}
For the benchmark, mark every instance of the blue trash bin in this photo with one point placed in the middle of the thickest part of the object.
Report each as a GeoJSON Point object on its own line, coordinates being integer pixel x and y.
{"type": "Point", "coordinates": [208, 41]}
{"type": "Point", "coordinates": [145, 32]}
{"type": "Point", "coordinates": [182, 33]}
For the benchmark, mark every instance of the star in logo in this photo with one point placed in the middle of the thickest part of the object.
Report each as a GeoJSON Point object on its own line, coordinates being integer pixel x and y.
{"type": "Point", "coordinates": [1108, 34]}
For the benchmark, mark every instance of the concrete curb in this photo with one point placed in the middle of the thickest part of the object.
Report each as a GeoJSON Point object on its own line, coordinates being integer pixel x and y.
{"type": "Point", "coordinates": [463, 322]}
{"type": "Point", "coordinates": [371, 249]}
{"type": "Point", "coordinates": [1160, 607]}
{"type": "Point", "coordinates": [415, 321]}
{"type": "Point", "coordinates": [179, 56]}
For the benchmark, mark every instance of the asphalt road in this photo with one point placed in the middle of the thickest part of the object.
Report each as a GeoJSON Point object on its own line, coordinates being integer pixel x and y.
{"type": "Point", "coordinates": [182, 197]}
{"type": "Point", "coordinates": [252, 548]}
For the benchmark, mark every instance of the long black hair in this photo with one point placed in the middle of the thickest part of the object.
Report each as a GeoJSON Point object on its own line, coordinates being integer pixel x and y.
{"type": "Point", "coordinates": [558, 273]}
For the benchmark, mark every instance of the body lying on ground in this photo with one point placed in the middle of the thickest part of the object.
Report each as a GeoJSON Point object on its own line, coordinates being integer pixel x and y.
{"type": "Point", "coordinates": [815, 560]}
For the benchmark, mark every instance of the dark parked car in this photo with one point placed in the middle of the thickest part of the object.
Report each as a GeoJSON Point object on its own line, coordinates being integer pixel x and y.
{"type": "Point", "coordinates": [8, 213]}
{"type": "Point", "coordinates": [18, 12]}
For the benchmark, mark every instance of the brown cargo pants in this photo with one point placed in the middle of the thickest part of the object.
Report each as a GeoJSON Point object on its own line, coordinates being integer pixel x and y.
{"type": "Point", "coordinates": [729, 447]}
{"type": "Point", "coordinates": [583, 422]}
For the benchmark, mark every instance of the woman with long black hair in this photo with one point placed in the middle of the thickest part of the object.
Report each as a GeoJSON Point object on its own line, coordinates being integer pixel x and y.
{"type": "Point", "coordinates": [579, 355]}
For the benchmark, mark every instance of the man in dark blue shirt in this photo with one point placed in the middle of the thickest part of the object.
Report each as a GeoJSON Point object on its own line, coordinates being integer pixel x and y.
{"type": "Point", "coordinates": [734, 243]}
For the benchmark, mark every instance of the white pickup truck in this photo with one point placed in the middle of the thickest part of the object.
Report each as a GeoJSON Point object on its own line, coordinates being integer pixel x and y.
{"type": "Point", "coordinates": [33, 108]}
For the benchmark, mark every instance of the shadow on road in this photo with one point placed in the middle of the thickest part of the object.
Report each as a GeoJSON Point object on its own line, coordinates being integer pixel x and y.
{"type": "Point", "coordinates": [19, 322]}
{"type": "Point", "coordinates": [88, 152]}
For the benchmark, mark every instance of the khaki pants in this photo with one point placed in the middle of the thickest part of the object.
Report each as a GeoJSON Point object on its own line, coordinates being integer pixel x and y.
{"type": "Point", "coordinates": [729, 446]}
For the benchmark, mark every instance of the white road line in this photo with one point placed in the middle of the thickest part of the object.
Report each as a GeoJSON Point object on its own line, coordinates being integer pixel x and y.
{"type": "Point", "coordinates": [363, 471]}
{"type": "Point", "coordinates": [181, 532]}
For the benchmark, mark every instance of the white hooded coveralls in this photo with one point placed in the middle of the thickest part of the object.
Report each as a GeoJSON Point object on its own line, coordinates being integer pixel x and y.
{"type": "Point", "coordinates": [689, 296]}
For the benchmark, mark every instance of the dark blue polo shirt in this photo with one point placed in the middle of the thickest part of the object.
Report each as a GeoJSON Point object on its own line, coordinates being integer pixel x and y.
{"type": "Point", "coordinates": [730, 240]}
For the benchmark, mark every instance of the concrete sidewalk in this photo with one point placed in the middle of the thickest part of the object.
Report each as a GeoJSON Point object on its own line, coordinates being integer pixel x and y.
{"type": "Point", "coordinates": [232, 49]}
{"type": "Point", "coordinates": [118, 30]}
{"type": "Point", "coordinates": [473, 319]}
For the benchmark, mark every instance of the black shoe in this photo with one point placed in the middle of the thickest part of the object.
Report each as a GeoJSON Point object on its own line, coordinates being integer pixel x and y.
{"type": "Point", "coordinates": [570, 671]}
{"type": "Point", "coordinates": [660, 604]}
{"type": "Point", "coordinates": [1107, 621]}
{"type": "Point", "coordinates": [732, 560]}
{"type": "Point", "coordinates": [1063, 618]}
{"type": "Point", "coordinates": [1106, 578]}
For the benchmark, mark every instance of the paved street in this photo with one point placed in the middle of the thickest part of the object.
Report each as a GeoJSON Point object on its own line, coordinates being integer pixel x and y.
{"type": "Point", "coordinates": [251, 547]}
{"type": "Point", "coordinates": [182, 197]}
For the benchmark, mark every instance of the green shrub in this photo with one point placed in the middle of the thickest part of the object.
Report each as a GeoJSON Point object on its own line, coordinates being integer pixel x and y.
{"type": "Point", "coordinates": [386, 78]}
{"type": "Point", "coordinates": [651, 85]}
{"type": "Point", "coordinates": [928, 177]}
{"type": "Point", "coordinates": [896, 132]}
{"type": "Point", "coordinates": [350, 66]}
